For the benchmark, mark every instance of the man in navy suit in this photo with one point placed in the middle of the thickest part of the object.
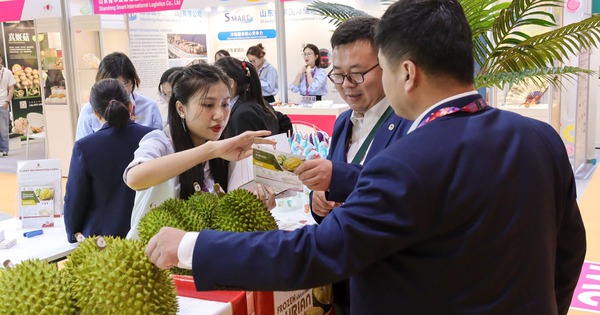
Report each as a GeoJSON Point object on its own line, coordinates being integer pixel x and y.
{"type": "Point", "coordinates": [473, 212]}
{"type": "Point", "coordinates": [359, 133]}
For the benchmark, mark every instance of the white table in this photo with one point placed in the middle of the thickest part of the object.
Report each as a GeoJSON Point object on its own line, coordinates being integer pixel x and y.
{"type": "Point", "coordinates": [50, 246]}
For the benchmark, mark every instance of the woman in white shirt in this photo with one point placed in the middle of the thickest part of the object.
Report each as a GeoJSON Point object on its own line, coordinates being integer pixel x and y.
{"type": "Point", "coordinates": [172, 163]}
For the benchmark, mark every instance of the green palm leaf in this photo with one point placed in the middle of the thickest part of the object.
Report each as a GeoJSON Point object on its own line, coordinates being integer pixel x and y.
{"type": "Point", "coordinates": [335, 12]}
{"type": "Point", "coordinates": [505, 53]}
{"type": "Point", "coordinates": [538, 76]}
{"type": "Point", "coordinates": [547, 48]}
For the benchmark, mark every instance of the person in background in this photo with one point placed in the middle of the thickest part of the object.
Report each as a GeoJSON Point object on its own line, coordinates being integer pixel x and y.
{"type": "Point", "coordinates": [97, 201]}
{"type": "Point", "coordinates": [7, 88]}
{"type": "Point", "coordinates": [450, 219]}
{"type": "Point", "coordinates": [221, 53]}
{"type": "Point", "coordinates": [249, 111]}
{"type": "Point", "coordinates": [266, 72]}
{"type": "Point", "coordinates": [145, 111]}
{"type": "Point", "coordinates": [164, 91]}
{"type": "Point", "coordinates": [358, 134]}
{"type": "Point", "coordinates": [311, 80]}
{"type": "Point", "coordinates": [186, 157]}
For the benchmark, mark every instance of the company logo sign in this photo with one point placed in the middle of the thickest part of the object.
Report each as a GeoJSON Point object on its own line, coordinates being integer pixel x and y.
{"type": "Point", "coordinates": [240, 16]}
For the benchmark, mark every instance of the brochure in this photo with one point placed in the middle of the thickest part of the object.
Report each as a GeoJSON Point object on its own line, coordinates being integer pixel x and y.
{"type": "Point", "coordinates": [37, 206]}
{"type": "Point", "coordinates": [276, 169]}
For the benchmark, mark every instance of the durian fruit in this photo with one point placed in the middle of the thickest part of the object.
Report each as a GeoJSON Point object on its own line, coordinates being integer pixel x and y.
{"type": "Point", "coordinates": [120, 279]}
{"type": "Point", "coordinates": [242, 211]}
{"type": "Point", "coordinates": [86, 248]}
{"type": "Point", "coordinates": [35, 287]}
{"type": "Point", "coordinates": [166, 214]}
{"type": "Point", "coordinates": [202, 208]}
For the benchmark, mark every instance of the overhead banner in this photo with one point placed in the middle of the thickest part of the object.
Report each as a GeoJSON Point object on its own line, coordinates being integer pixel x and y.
{"type": "Point", "coordinates": [135, 6]}
{"type": "Point", "coordinates": [21, 56]}
{"type": "Point", "coordinates": [11, 10]}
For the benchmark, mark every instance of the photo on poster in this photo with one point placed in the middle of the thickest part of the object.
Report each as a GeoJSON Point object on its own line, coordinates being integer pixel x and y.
{"type": "Point", "coordinates": [184, 46]}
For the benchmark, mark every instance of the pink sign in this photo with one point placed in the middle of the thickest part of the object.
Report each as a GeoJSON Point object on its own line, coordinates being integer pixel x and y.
{"type": "Point", "coordinates": [11, 10]}
{"type": "Point", "coordinates": [134, 6]}
{"type": "Point", "coordinates": [587, 291]}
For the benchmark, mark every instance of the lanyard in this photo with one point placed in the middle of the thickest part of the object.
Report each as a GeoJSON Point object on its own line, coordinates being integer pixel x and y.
{"type": "Point", "coordinates": [472, 108]}
{"type": "Point", "coordinates": [363, 148]}
{"type": "Point", "coordinates": [306, 77]}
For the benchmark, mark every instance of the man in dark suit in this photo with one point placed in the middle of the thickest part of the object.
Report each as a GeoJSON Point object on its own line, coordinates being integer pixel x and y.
{"type": "Point", "coordinates": [473, 212]}
{"type": "Point", "coordinates": [361, 132]}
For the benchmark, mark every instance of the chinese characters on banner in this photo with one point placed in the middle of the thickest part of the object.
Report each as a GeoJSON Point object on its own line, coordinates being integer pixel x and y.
{"type": "Point", "coordinates": [134, 6]}
{"type": "Point", "coordinates": [21, 59]}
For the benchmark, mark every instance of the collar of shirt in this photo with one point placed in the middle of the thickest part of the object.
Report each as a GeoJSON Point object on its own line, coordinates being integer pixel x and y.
{"type": "Point", "coordinates": [368, 119]}
{"type": "Point", "coordinates": [422, 116]}
{"type": "Point", "coordinates": [362, 125]}
{"type": "Point", "coordinates": [233, 102]}
{"type": "Point", "coordinates": [265, 65]}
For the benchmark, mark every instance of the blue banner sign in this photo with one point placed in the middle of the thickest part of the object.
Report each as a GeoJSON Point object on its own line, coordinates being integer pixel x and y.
{"type": "Point", "coordinates": [248, 34]}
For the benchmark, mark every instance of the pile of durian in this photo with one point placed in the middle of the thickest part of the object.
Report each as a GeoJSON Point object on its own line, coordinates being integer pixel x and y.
{"type": "Point", "coordinates": [104, 275]}
{"type": "Point", "coordinates": [109, 275]}
{"type": "Point", "coordinates": [237, 211]}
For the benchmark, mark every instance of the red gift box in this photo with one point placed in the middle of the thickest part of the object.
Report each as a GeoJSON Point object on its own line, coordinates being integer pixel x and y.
{"type": "Point", "coordinates": [239, 303]}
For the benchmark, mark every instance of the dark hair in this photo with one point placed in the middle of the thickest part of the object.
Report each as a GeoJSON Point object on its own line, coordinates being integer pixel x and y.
{"type": "Point", "coordinates": [315, 50]}
{"type": "Point", "coordinates": [110, 99]}
{"type": "Point", "coordinates": [164, 78]}
{"type": "Point", "coordinates": [434, 34]}
{"type": "Point", "coordinates": [193, 80]}
{"type": "Point", "coordinates": [246, 80]}
{"type": "Point", "coordinates": [222, 53]}
{"type": "Point", "coordinates": [117, 65]}
{"type": "Point", "coordinates": [258, 51]}
{"type": "Point", "coordinates": [360, 28]}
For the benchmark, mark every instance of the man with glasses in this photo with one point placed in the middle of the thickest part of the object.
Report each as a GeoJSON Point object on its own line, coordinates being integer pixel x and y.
{"type": "Point", "coordinates": [145, 111]}
{"type": "Point", "coordinates": [358, 134]}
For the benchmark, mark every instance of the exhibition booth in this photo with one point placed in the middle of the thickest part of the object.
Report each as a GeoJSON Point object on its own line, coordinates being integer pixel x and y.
{"type": "Point", "coordinates": [54, 48]}
{"type": "Point", "coordinates": [56, 72]}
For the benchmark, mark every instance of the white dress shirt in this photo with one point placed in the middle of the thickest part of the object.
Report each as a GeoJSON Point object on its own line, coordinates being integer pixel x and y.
{"type": "Point", "coordinates": [362, 126]}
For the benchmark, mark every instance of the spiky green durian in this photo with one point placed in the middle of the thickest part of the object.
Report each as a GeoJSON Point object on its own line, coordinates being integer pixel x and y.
{"type": "Point", "coordinates": [242, 211]}
{"type": "Point", "coordinates": [202, 205]}
{"type": "Point", "coordinates": [35, 287]}
{"type": "Point", "coordinates": [120, 279]}
{"type": "Point", "coordinates": [85, 249]}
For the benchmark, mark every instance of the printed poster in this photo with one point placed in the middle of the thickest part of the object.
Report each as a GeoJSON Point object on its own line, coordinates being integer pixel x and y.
{"type": "Point", "coordinates": [22, 61]}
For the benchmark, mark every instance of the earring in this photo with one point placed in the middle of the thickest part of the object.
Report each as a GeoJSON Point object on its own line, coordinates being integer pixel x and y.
{"type": "Point", "coordinates": [183, 122]}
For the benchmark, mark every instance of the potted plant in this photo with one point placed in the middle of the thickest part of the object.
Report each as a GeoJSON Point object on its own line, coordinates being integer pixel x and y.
{"type": "Point", "coordinates": [504, 53]}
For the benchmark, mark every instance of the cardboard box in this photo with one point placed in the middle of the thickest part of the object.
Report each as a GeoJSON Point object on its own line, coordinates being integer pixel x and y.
{"type": "Point", "coordinates": [300, 302]}
{"type": "Point", "coordinates": [236, 299]}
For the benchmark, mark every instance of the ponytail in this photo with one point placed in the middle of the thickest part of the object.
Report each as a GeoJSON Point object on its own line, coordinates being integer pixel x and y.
{"type": "Point", "coordinates": [110, 99]}
{"type": "Point", "coordinates": [117, 114]}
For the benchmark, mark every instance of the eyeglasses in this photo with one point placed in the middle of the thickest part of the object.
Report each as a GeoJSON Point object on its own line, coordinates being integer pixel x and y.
{"type": "Point", "coordinates": [308, 54]}
{"type": "Point", "coordinates": [353, 77]}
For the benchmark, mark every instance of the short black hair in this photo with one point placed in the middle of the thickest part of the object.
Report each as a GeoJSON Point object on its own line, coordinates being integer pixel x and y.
{"type": "Point", "coordinates": [360, 28]}
{"type": "Point", "coordinates": [116, 65]}
{"type": "Point", "coordinates": [434, 34]}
